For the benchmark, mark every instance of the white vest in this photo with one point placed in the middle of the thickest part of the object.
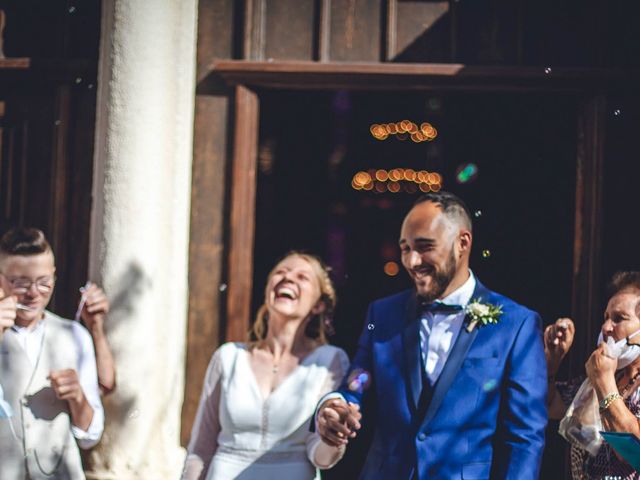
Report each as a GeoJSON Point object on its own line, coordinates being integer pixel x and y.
{"type": "Point", "coordinates": [45, 447]}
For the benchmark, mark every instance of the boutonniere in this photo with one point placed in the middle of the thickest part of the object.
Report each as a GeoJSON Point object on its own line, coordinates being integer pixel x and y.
{"type": "Point", "coordinates": [481, 314]}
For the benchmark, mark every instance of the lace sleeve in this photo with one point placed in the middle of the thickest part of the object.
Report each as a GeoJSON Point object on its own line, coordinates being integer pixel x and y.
{"type": "Point", "coordinates": [204, 434]}
{"type": "Point", "coordinates": [568, 389]}
{"type": "Point", "coordinates": [319, 453]}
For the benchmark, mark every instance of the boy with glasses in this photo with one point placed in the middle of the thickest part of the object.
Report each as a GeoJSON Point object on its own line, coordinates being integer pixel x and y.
{"type": "Point", "coordinates": [47, 366]}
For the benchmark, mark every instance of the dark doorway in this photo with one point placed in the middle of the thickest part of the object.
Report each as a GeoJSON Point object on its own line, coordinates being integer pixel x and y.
{"type": "Point", "coordinates": [522, 196]}
{"type": "Point", "coordinates": [511, 157]}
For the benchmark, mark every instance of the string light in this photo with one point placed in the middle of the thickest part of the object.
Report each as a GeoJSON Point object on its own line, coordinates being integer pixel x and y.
{"type": "Point", "coordinates": [397, 180]}
{"type": "Point", "coordinates": [403, 130]}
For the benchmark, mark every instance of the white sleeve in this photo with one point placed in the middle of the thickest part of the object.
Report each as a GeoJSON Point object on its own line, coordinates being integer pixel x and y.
{"type": "Point", "coordinates": [319, 453]}
{"type": "Point", "coordinates": [206, 427]}
{"type": "Point", "coordinates": [88, 377]}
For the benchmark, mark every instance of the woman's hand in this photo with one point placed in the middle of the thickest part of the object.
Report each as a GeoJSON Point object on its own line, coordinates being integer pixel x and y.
{"type": "Point", "coordinates": [558, 338]}
{"type": "Point", "coordinates": [601, 369]}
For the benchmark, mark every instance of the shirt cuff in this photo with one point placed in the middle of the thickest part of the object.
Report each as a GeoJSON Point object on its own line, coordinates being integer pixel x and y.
{"type": "Point", "coordinates": [90, 437]}
{"type": "Point", "coordinates": [328, 396]}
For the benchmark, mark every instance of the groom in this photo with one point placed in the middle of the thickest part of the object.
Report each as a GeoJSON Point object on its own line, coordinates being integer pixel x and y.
{"type": "Point", "coordinates": [460, 386]}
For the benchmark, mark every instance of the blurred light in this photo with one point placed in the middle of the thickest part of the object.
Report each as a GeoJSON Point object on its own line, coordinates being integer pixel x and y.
{"type": "Point", "coordinates": [410, 174]}
{"type": "Point", "coordinates": [490, 385]}
{"type": "Point", "coordinates": [424, 132]}
{"type": "Point", "coordinates": [394, 187]}
{"type": "Point", "coordinates": [362, 178]}
{"type": "Point", "coordinates": [391, 269]}
{"type": "Point", "coordinates": [466, 172]}
{"type": "Point", "coordinates": [396, 180]}
{"type": "Point", "coordinates": [359, 380]}
{"type": "Point", "coordinates": [382, 175]}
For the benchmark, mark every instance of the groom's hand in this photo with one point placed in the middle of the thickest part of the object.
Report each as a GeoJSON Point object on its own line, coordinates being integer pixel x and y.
{"type": "Point", "coordinates": [337, 421]}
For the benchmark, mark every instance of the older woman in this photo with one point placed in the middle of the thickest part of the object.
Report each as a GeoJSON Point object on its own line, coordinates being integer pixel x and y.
{"type": "Point", "coordinates": [614, 373]}
{"type": "Point", "coordinates": [258, 397]}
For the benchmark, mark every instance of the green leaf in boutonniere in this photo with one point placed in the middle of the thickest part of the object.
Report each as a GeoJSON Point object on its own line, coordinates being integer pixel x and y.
{"type": "Point", "coordinates": [481, 314]}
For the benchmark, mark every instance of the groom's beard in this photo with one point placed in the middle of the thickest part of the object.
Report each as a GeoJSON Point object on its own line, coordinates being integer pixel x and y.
{"type": "Point", "coordinates": [441, 280]}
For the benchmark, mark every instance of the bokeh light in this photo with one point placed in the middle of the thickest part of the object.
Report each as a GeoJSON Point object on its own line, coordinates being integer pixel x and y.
{"type": "Point", "coordinates": [394, 187]}
{"type": "Point", "coordinates": [467, 172]}
{"type": "Point", "coordinates": [402, 129]}
{"type": "Point", "coordinates": [391, 269]}
{"type": "Point", "coordinates": [359, 380]}
{"type": "Point", "coordinates": [396, 180]}
{"type": "Point", "coordinates": [490, 385]}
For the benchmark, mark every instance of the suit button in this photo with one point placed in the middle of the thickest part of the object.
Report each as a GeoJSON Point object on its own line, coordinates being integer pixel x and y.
{"type": "Point", "coordinates": [422, 437]}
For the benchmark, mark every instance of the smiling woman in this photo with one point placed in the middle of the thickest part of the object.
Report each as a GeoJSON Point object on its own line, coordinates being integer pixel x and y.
{"type": "Point", "coordinates": [282, 287]}
{"type": "Point", "coordinates": [259, 396]}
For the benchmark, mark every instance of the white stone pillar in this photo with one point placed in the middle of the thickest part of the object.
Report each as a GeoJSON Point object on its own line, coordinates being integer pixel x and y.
{"type": "Point", "coordinates": [140, 227]}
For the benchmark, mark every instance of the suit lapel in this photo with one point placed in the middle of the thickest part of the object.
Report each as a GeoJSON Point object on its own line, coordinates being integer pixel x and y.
{"type": "Point", "coordinates": [454, 362]}
{"type": "Point", "coordinates": [411, 346]}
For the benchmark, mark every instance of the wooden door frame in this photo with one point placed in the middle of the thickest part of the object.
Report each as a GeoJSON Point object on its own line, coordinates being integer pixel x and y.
{"type": "Point", "coordinates": [590, 85]}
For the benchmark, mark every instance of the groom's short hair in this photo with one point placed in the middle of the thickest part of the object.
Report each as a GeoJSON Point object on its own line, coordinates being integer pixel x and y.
{"type": "Point", "coordinates": [452, 206]}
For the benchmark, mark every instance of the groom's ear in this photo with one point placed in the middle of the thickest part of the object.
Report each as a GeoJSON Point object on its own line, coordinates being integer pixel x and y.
{"type": "Point", "coordinates": [464, 241]}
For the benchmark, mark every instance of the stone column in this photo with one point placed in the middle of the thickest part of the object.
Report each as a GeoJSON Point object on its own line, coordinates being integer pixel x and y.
{"type": "Point", "coordinates": [140, 227]}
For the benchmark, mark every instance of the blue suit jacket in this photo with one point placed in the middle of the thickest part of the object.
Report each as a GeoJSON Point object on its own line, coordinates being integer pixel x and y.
{"type": "Point", "coordinates": [487, 413]}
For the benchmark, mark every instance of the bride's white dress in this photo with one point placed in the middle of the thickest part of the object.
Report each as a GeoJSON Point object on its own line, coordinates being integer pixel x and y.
{"type": "Point", "coordinates": [238, 434]}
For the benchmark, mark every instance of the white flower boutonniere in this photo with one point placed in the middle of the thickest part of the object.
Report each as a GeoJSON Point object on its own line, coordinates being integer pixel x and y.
{"type": "Point", "coordinates": [481, 313]}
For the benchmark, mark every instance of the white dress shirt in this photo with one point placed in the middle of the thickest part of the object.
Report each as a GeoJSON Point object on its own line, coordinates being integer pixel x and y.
{"type": "Point", "coordinates": [31, 342]}
{"type": "Point", "coordinates": [439, 330]}
{"type": "Point", "coordinates": [438, 333]}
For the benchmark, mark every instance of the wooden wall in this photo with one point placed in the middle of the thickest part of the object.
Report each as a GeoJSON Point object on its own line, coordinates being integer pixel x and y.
{"type": "Point", "coordinates": [47, 112]}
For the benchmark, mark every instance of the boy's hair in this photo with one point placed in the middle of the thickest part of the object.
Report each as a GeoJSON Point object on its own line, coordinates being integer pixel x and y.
{"type": "Point", "coordinates": [23, 241]}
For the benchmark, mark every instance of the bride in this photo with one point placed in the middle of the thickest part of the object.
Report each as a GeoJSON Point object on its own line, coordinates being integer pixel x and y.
{"type": "Point", "coordinates": [258, 397]}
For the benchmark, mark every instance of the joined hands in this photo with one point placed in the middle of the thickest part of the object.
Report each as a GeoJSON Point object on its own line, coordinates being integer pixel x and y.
{"type": "Point", "coordinates": [338, 421]}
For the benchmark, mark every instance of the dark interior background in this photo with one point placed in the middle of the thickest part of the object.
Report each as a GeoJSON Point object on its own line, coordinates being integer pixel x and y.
{"type": "Point", "coordinates": [311, 145]}
{"type": "Point", "coordinates": [522, 198]}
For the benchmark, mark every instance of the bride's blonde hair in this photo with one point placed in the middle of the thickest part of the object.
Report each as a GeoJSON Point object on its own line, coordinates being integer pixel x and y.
{"type": "Point", "coordinates": [319, 326]}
